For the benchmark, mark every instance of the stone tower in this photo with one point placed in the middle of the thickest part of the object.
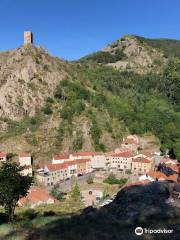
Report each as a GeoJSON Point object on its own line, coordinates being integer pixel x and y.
{"type": "Point", "coordinates": [28, 37]}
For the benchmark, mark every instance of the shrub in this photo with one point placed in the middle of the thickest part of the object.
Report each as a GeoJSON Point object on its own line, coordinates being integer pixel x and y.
{"type": "Point", "coordinates": [111, 179]}
{"type": "Point", "coordinates": [90, 180]}
{"type": "Point", "coordinates": [50, 100]}
{"type": "Point", "coordinates": [49, 213]}
{"type": "Point", "coordinates": [33, 121]}
{"type": "Point", "coordinates": [47, 110]}
{"type": "Point", "coordinates": [29, 214]}
{"type": "Point", "coordinates": [77, 143]}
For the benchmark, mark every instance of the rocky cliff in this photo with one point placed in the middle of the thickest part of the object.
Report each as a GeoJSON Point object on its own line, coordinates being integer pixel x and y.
{"type": "Point", "coordinates": [28, 75]}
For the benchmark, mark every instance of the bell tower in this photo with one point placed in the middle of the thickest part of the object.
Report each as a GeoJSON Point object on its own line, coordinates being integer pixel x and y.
{"type": "Point", "coordinates": [28, 37]}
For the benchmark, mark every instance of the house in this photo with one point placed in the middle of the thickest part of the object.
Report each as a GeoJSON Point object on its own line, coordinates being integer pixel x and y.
{"type": "Point", "coordinates": [121, 161]}
{"type": "Point", "coordinates": [158, 176]}
{"type": "Point", "coordinates": [98, 161]}
{"type": "Point", "coordinates": [80, 155]}
{"type": "Point", "coordinates": [3, 157]}
{"type": "Point", "coordinates": [83, 166]}
{"type": "Point", "coordinates": [52, 174]}
{"type": "Point", "coordinates": [35, 197]}
{"type": "Point", "coordinates": [60, 158]}
{"type": "Point", "coordinates": [25, 159]}
{"type": "Point", "coordinates": [72, 167]}
{"type": "Point", "coordinates": [131, 142]}
{"type": "Point", "coordinates": [27, 171]}
{"type": "Point", "coordinates": [141, 164]}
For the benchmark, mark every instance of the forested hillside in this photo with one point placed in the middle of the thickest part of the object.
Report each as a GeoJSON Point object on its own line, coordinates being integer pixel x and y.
{"type": "Point", "coordinates": [89, 104]}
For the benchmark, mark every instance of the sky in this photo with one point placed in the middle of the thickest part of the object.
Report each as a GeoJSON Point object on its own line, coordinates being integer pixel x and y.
{"type": "Point", "coordinates": [71, 29]}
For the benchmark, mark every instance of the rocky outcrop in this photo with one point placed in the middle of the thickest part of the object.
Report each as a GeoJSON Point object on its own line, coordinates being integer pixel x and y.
{"type": "Point", "coordinates": [140, 58]}
{"type": "Point", "coordinates": [28, 75]}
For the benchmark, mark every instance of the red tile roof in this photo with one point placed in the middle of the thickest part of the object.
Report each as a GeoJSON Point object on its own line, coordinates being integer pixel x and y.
{"type": "Point", "coordinates": [147, 153]}
{"type": "Point", "coordinates": [60, 157]}
{"type": "Point", "coordinates": [156, 175]}
{"type": "Point", "coordinates": [174, 167]}
{"type": "Point", "coordinates": [126, 154]}
{"type": "Point", "coordinates": [74, 162]}
{"type": "Point", "coordinates": [82, 154]}
{"type": "Point", "coordinates": [168, 160]}
{"type": "Point", "coordinates": [58, 166]}
{"type": "Point", "coordinates": [55, 167]}
{"type": "Point", "coordinates": [36, 195]}
{"type": "Point", "coordinates": [162, 176]}
{"type": "Point", "coordinates": [141, 160]}
{"type": "Point", "coordinates": [83, 160]}
{"type": "Point", "coordinates": [2, 154]}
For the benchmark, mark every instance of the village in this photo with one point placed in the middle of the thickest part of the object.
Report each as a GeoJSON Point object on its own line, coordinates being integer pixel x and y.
{"type": "Point", "coordinates": [90, 171]}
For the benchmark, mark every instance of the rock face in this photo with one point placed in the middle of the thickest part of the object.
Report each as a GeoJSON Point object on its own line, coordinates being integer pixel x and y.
{"type": "Point", "coordinates": [28, 75]}
{"type": "Point", "coordinates": [140, 58]}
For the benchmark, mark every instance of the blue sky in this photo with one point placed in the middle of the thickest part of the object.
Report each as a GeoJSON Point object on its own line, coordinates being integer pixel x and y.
{"type": "Point", "coordinates": [73, 28]}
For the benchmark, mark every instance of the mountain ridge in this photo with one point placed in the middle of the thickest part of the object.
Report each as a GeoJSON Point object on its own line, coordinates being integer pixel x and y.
{"type": "Point", "coordinates": [50, 105]}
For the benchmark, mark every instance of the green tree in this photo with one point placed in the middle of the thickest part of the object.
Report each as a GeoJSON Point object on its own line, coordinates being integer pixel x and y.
{"type": "Point", "coordinates": [13, 186]}
{"type": "Point", "coordinates": [75, 193]}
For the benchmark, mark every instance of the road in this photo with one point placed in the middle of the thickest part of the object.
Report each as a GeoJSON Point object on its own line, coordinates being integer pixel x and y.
{"type": "Point", "coordinates": [67, 185]}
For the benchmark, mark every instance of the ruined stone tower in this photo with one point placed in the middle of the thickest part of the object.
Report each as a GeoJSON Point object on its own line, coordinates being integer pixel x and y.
{"type": "Point", "coordinates": [28, 37]}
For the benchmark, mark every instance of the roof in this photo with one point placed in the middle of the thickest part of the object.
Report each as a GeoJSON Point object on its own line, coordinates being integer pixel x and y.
{"type": "Point", "coordinates": [60, 157]}
{"type": "Point", "coordinates": [82, 154]}
{"type": "Point", "coordinates": [168, 160]}
{"type": "Point", "coordinates": [36, 195]}
{"type": "Point", "coordinates": [2, 154]}
{"type": "Point", "coordinates": [174, 167]}
{"type": "Point", "coordinates": [148, 153]}
{"type": "Point", "coordinates": [162, 176]}
{"type": "Point", "coordinates": [74, 162]}
{"type": "Point", "coordinates": [156, 175]}
{"type": "Point", "coordinates": [141, 160]}
{"type": "Point", "coordinates": [126, 154]}
{"type": "Point", "coordinates": [55, 167]}
{"type": "Point", "coordinates": [83, 160]}
{"type": "Point", "coordinates": [24, 154]}
{"type": "Point", "coordinates": [59, 166]}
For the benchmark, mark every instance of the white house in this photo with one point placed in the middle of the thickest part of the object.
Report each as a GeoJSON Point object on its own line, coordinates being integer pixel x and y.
{"type": "Point", "coordinates": [98, 161]}
{"type": "Point", "coordinates": [60, 159]}
{"type": "Point", "coordinates": [80, 155]}
{"type": "Point", "coordinates": [25, 159]}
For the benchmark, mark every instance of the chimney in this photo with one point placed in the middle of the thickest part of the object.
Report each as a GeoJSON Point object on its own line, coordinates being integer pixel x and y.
{"type": "Point", "coordinates": [28, 37]}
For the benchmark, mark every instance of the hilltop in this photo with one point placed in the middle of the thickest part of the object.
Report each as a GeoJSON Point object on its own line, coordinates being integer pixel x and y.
{"type": "Point", "coordinates": [50, 105]}
{"type": "Point", "coordinates": [137, 54]}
